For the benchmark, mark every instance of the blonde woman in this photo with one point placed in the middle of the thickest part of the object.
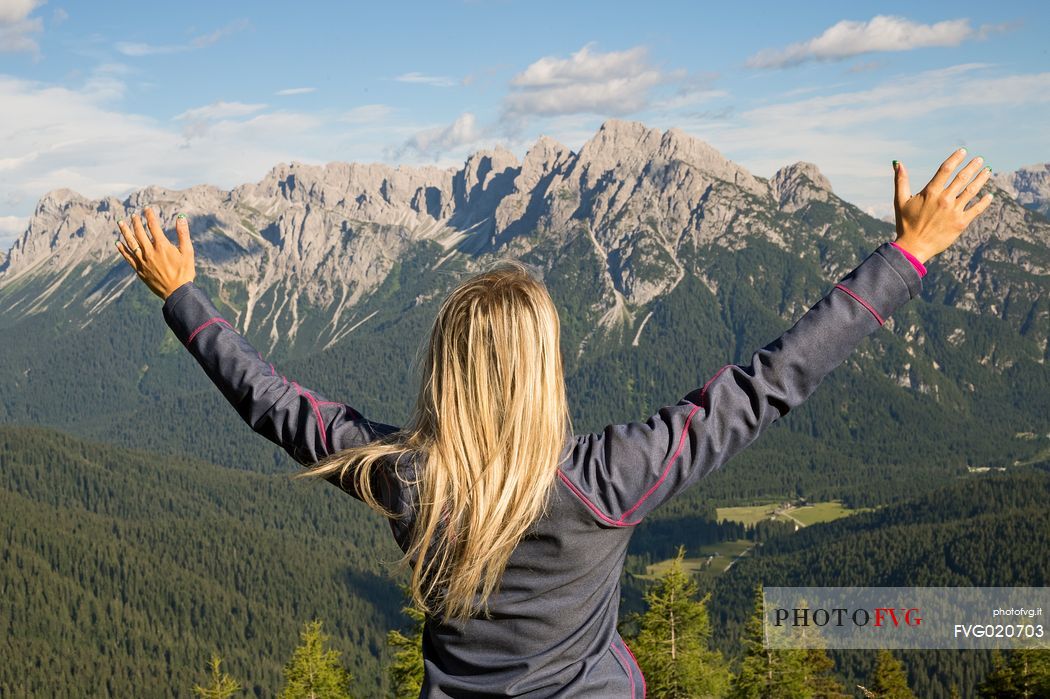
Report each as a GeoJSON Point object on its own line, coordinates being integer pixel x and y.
{"type": "Point", "coordinates": [515, 529]}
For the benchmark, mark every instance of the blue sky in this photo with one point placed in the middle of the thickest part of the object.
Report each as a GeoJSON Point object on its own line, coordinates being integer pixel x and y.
{"type": "Point", "coordinates": [108, 97]}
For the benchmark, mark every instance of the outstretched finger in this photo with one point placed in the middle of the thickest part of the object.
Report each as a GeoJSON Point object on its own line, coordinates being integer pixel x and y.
{"type": "Point", "coordinates": [155, 230]}
{"type": "Point", "coordinates": [129, 238]}
{"type": "Point", "coordinates": [978, 208]}
{"type": "Point", "coordinates": [974, 187]}
{"type": "Point", "coordinates": [965, 175]}
{"type": "Point", "coordinates": [142, 237]}
{"type": "Point", "coordinates": [122, 249]}
{"type": "Point", "coordinates": [947, 167]}
{"type": "Point", "coordinates": [902, 189]}
{"type": "Point", "coordinates": [182, 229]}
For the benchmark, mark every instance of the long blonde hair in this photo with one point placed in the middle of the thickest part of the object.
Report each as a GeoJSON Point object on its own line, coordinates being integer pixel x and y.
{"type": "Point", "coordinates": [491, 421]}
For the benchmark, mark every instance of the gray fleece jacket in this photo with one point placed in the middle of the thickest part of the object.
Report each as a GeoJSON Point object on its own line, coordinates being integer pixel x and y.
{"type": "Point", "coordinates": [552, 631]}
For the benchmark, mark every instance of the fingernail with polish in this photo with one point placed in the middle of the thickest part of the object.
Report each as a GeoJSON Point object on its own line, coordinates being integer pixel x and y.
{"type": "Point", "coordinates": [896, 163]}
{"type": "Point", "coordinates": [181, 216]}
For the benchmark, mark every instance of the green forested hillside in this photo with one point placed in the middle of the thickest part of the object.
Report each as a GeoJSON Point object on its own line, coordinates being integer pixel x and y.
{"type": "Point", "coordinates": [121, 572]}
{"type": "Point", "coordinates": [985, 530]}
{"type": "Point", "coordinates": [861, 437]}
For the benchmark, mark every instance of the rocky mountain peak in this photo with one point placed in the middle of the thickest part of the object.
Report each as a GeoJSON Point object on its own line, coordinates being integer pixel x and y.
{"type": "Point", "coordinates": [631, 147]}
{"type": "Point", "coordinates": [545, 154]}
{"type": "Point", "coordinates": [484, 166]}
{"type": "Point", "coordinates": [795, 185]}
{"type": "Point", "coordinates": [641, 200]}
{"type": "Point", "coordinates": [1030, 185]}
{"type": "Point", "coordinates": [57, 200]}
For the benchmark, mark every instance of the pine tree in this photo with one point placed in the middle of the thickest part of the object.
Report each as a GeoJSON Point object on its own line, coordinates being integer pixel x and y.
{"type": "Point", "coordinates": [222, 685]}
{"type": "Point", "coordinates": [768, 673]}
{"type": "Point", "coordinates": [1031, 671]}
{"type": "Point", "coordinates": [314, 671]}
{"type": "Point", "coordinates": [1026, 675]}
{"type": "Point", "coordinates": [999, 682]}
{"type": "Point", "coordinates": [817, 667]}
{"type": "Point", "coordinates": [818, 678]}
{"type": "Point", "coordinates": [406, 672]}
{"type": "Point", "coordinates": [889, 680]}
{"type": "Point", "coordinates": [673, 643]}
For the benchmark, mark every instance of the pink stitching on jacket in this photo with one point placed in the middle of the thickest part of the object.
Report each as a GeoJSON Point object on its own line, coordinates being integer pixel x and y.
{"type": "Point", "coordinates": [317, 414]}
{"type": "Point", "coordinates": [862, 302]}
{"type": "Point", "coordinates": [703, 391]}
{"type": "Point", "coordinates": [588, 503]}
{"type": "Point", "coordinates": [630, 672]}
{"type": "Point", "coordinates": [667, 467]}
{"type": "Point", "coordinates": [621, 522]}
{"type": "Point", "coordinates": [636, 663]}
{"type": "Point", "coordinates": [204, 325]}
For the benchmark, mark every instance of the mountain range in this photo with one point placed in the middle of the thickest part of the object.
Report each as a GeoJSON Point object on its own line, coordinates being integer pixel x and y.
{"type": "Point", "coordinates": [666, 259]}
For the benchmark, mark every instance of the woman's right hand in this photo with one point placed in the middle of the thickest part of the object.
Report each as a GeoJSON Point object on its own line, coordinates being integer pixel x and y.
{"type": "Point", "coordinates": [930, 221]}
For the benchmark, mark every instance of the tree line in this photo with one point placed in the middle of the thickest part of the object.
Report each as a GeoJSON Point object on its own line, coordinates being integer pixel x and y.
{"type": "Point", "coordinates": [674, 650]}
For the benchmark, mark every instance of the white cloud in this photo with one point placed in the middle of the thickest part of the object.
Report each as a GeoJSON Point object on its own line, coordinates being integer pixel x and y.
{"type": "Point", "coordinates": [296, 91]}
{"type": "Point", "coordinates": [367, 114]}
{"type": "Point", "coordinates": [55, 137]}
{"type": "Point", "coordinates": [852, 136]}
{"type": "Point", "coordinates": [199, 120]}
{"type": "Point", "coordinates": [17, 28]}
{"type": "Point", "coordinates": [434, 142]}
{"type": "Point", "coordinates": [423, 79]}
{"type": "Point", "coordinates": [59, 16]}
{"type": "Point", "coordinates": [219, 110]}
{"type": "Point", "coordinates": [613, 83]}
{"type": "Point", "coordinates": [16, 10]}
{"type": "Point", "coordinates": [881, 33]}
{"type": "Point", "coordinates": [199, 42]}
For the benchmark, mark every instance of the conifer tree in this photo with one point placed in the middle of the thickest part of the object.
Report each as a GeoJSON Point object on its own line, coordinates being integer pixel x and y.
{"type": "Point", "coordinates": [314, 671]}
{"type": "Point", "coordinates": [1031, 671]}
{"type": "Point", "coordinates": [999, 682]}
{"type": "Point", "coordinates": [889, 680]}
{"type": "Point", "coordinates": [222, 685]}
{"type": "Point", "coordinates": [768, 673]}
{"type": "Point", "coordinates": [817, 667]}
{"type": "Point", "coordinates": [1025, 675]}
{"type": "Point", "coordinates": [673, 643]}
{"type": "Point", "coordinates": [406, 672]}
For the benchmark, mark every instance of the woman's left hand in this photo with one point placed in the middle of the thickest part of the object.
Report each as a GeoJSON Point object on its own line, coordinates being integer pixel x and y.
{"type": "Point", "coordinates": [161, 265]}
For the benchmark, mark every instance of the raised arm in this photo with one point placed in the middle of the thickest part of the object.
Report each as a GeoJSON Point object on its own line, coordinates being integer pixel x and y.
{"type": "Point", "coordinates": [625, 471]}
{"type": "Point", "coordinates": [304, 423]}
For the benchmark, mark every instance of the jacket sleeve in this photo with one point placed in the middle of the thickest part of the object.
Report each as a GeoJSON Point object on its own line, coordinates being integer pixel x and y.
{"type": "Point", "coordinates": [304, 423]}
{"type": "Point", "coordinates": [625, 471]}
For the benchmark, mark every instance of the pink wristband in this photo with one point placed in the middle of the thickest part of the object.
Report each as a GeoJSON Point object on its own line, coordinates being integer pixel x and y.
{"type": "Point", "coordinates": [911, 258]}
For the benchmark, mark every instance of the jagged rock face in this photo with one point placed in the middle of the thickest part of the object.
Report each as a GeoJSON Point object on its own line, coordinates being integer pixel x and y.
{"type": "Point", "coordinates": [796, 185]}
{"type": "Point", "coordinates": [326, 236]}
{"type": "Point", "coordinates": [639, 192]}
{"type": "Point", "coordinates": [1030, 186]}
